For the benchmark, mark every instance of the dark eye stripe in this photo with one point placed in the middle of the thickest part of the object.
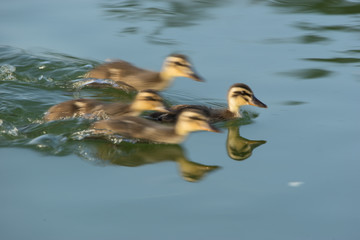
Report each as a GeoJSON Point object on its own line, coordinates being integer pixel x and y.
{"type": "Point", "coordinates": [181, 64]}
{"type": "Point", "coordinates": [243, 93]}
{"type": "Point", "coordinates": [197, 119]}
{"type": "Point", "coordinates": [151, 99]}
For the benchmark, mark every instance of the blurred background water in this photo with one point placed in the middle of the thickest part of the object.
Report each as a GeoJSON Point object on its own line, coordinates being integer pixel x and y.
{"type": "Point", "coordinates": [286, 172]}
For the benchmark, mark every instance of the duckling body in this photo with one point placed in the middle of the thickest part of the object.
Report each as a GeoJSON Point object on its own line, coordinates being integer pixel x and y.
{"type": "Point", "coordinates": [89, 108]}
{"type": "Point", "coordinates": [214, 114]}
{"type": "Point", "coordinates": [175, 65]}
{"type": "Point", "coordinates": [239, 94]}
{"type": "Point", "coordinates": [143, 129]}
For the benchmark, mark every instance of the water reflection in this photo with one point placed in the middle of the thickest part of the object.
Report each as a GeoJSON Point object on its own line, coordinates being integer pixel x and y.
{"type": "Point", "coordinates": [320, 6]}
{"type": "Point", "coordinates": [321, 28]}
{"type": "Point", "coordinates": [310, 73]}
{"type": "Point", "coordinates": [343, 60]}
{"type": "Point", "coordinates": [239, 148]}
{"type": "Point", "coordinates": [166, 14]}
{"type": "Point", "coordinates": [134, 155]}
{"type": "Point", "coordinates": [305, 39]}
{"type": "Point", "coordinates": [293, 103]}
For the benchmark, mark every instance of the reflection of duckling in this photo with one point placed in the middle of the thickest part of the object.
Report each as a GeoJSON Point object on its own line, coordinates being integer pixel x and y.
{"type": "Point", "coordinates": [145, 100]}
{"type": "Point", "coordinates": [189, 120]}
{"type": "Point", "coordinates": [192, 171]}
{"type": "Point", "coordinates": [239, 94]}
{"type": "Point", "coordinates": [175, 65]}
{"type": "Point", "coordinates": [239, 148]}
{"type": "Point", "coordinates": [133, 155]}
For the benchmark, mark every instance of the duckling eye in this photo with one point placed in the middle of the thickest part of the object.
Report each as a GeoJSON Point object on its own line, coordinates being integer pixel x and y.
{"type": "Point", "coordinates": [180, 64]}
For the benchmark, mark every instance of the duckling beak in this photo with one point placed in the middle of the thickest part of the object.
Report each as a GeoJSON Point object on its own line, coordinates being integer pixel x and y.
{"type": "Point", "coordinates": [196, 77]}
{"type": "Point", "coordinates": [210, 128]}
{"type": "Point", "coordinates": [193, 75]}
{"type": "Point", "coordinates": [257, 103]}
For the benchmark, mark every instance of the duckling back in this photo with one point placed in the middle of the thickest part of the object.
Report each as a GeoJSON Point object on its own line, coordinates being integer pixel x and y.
{"type": "Point", "coordinates": [116, 71]}
{"type": "Point", "coordinates": [124, 73]}
{"type": "Point", "coordinates": [137, 128]}
{"type": "Point", "coordinates": [71, 108]}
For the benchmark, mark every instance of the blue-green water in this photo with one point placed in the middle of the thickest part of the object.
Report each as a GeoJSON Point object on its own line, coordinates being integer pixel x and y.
{"type": "Point", "coordinates": [301, 58]}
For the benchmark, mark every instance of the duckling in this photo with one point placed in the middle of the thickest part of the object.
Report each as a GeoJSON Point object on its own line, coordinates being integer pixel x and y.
{"type": "Point", "coordinates": [175, 65]}
{"type": "Point", "coordinates": [89, 108]}
{"type": "Point", "coordinates": [238, 95]}
{"type": "Point", "coordinates": [189, 120]}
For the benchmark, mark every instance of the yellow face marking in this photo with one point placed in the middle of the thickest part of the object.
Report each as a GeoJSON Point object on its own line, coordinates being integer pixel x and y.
{"type": "Point", "coordinates": [148, 101]}
{"type": "Point", "coordinates": [238, 91]}
{"type": "Point", "coordinates": [146, 96]}
{"type": "Point", "coordinates": [191, 116]}
{"type": "Point", "coordinates": [178, 67]}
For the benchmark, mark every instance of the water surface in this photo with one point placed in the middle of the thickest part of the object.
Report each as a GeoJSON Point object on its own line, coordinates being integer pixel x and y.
{"type": "Point", "coordinates": [286, 172]}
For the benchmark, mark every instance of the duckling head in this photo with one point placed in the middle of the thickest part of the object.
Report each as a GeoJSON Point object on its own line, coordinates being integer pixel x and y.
{"type": "Point", "coordinates": [148, 100]}
{"type": "Point", "coordinates": [178, 65]}
{"type": "Point", "coordinates": [191, 120]}
{"type": "Point", "coordinates": [241, 94]}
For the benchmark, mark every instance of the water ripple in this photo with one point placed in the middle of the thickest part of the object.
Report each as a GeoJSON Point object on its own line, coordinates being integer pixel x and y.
{"type": "Point", "coordinates": [47, 69]}
{"type": "Point", "coordinates": [49, 142]}
{"type": "Point", "coordinates": [163, 15]}
{"type": "Point", "coordinates": [6, 72]}
{"type": "Point", "coordinates": [8, 130]}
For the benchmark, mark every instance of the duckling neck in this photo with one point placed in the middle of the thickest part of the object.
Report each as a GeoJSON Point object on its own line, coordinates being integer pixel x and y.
{"type": "Point", "coordinates": [135, 109]}
{"type": "Point", "coordinates": [180, 130]}
{"type": "Point", "coordinates": [166, 76]}
{"type": "Point", "coordinates": [234, 110]}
